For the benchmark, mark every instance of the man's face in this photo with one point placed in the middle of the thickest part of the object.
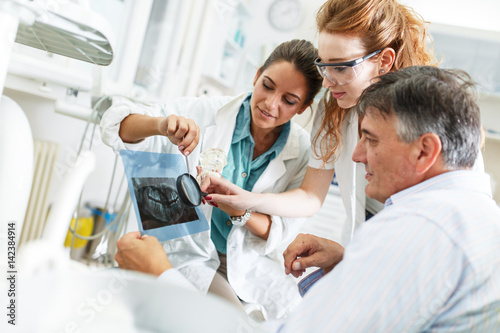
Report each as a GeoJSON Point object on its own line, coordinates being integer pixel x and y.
{"type": "Point", "coordinates": [388, 162]}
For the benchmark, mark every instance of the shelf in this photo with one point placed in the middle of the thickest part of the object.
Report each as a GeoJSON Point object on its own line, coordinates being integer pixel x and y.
{"type": "Point", "coordinates": [233, 45]}
{"type": "Point", "coordinates": [463, 31]}
{"type": "Point", "coordinates": [219, 81]}
{"type": "Point", "coordinates": [489, 97]}
{"type": "Point", "coordinates": [244, 8]}
{"type": "Point", "coordinates": [490, 115]}
{"type": "Point", "coordinates": [473, 50]}
{"type": "Point", "coordinates": [492, 135]}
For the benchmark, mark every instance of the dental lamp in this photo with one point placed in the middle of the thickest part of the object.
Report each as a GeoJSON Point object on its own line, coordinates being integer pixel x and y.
{"type": "Point", "coordinates": [66, 29]}
{"type": "Point", "coordinates": [58, 27]}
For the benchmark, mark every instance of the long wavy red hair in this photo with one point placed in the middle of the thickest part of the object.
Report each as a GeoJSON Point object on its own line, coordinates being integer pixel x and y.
{"type": "Point", "coordinates": [379, 23]}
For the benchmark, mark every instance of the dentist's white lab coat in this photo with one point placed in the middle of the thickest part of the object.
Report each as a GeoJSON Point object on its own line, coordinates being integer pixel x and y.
{"type": "Point", "coordinates": [254, 266]}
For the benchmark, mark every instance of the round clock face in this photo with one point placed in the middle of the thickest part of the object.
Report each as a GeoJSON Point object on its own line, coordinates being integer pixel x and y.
{"type": "Point", "coordinates": [285, 15]}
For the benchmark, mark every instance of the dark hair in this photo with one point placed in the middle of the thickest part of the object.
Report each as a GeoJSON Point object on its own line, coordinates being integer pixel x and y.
{"type": "Point", "coordinates": [427, 99]}
{"type": "Point", "coordinates": [300, 53]}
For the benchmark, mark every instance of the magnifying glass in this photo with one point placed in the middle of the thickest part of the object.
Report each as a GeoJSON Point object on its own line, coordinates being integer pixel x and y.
{"type": "Point", "coordinates": [188, 188]}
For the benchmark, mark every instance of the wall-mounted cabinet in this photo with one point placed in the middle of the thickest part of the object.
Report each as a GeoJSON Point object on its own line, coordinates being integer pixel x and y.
{"type": "Point", "coordinates": [230, 62]}
{"type": "Point", "coordinates": [173, 48]}
{"type": "Point", "coordinates": [490, 115]}
{"type": "Point", "coordinates": [158, 41]}
{"type": "Point", "coordinates": [478, 53]}
{"type": "Point", "coordinates": [473, 50]}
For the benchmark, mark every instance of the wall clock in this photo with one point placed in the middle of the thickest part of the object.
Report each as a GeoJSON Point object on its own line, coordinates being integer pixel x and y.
{"type": "Point", "coordinates": [285, 15]}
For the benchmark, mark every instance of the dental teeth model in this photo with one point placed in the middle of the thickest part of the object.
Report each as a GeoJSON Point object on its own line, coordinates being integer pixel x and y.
{"type": "Point", "coordinates": [212, 161]}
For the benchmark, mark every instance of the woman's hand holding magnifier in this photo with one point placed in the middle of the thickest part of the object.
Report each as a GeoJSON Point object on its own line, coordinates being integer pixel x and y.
{"type": "Point", "coordinates": [222, 191]}
{"type": "Point", "coordinates": [180, 131]}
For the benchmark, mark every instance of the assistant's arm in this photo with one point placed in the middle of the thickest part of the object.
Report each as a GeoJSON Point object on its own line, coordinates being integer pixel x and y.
{"type": "Point", "coordinates": [126, 124]}
{"type": "Point", "coordinates": [278, 223]}
{"type": "Point", "coordinates": [305, 200]}
{"type": "Point", "coordinates": [180, 131]}
{"type": "Point", "coordinates": [300, 202]}
{"type": "Point", "coordinates": [259, 224]}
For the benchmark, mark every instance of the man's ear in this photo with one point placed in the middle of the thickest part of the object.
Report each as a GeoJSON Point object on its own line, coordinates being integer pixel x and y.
{"type": "Point", "coordinates": [427, 151]}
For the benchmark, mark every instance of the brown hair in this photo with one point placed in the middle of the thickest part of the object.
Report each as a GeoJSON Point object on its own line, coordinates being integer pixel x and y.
{"type": "Point", "coordinates": [300, 53]}
{"type": "Point", "coordinates": [379, 24]}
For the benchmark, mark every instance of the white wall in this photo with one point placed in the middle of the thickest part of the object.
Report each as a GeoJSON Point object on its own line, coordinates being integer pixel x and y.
{"type": "Point", "coordinates": [479, 14]}
{"type": "Point", "coordinates": [267, 34]}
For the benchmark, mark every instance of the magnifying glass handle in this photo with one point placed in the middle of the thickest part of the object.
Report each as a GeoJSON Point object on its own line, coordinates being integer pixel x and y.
{"type": "Point", "coordinates": [187, 163]}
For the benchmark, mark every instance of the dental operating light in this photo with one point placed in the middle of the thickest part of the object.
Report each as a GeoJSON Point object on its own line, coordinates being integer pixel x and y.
{"type": "Point", "coordinates": [70, 31]}
{"type": "Point", "coordinates": [67, 29]}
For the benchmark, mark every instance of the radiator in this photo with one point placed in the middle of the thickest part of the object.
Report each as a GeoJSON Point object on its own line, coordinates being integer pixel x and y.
{"type": "Point", "coordinates": [38, 205]}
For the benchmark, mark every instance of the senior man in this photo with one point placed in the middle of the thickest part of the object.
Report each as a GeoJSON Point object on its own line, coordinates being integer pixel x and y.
{"type": "Point", "coordinates": [430, 260]}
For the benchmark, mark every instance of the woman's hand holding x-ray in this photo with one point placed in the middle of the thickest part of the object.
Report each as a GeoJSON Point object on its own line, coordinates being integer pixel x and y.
{"type": "Point", "coordinates": [311, 251]}
{"type": "Point", "coordinates": [180, 131]}
{"type": "Point", "coordinates": [143, 254]}
{"type": "Point", "coordinates": [223, 192]}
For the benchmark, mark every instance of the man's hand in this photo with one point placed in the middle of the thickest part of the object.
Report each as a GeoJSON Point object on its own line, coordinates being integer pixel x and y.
{"type": "Point", "coordinates": [143, 254]}
{"type": "Point", "coordinates": [223, 192]}
{"type": "Point", "coordinates": [181, 132]}
{"type": "Point", "coordinates": [311, 251]}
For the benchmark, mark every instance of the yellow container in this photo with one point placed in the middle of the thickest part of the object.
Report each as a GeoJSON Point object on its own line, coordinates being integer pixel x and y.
{"type": "Point", "coordinates": [84, 228]}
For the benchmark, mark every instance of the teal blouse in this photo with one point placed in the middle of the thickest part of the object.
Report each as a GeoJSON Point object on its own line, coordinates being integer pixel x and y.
{"type": "Point", "coordinates": [242, 169]}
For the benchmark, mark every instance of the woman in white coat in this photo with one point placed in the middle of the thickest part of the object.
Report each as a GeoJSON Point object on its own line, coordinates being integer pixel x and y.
{"type": "Point", "coordinates": [266, 152]}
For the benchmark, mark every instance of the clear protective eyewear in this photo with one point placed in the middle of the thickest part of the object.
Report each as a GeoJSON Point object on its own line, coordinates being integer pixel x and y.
{"type": "Point", "coordinates": [342, 73]}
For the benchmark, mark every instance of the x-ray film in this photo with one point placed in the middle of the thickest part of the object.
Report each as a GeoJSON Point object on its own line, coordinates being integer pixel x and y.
{"type": "Point", "coordinates": [160, 211]}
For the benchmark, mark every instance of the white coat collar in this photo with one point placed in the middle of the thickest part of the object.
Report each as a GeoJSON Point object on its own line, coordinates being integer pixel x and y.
{"type": "Point", "coordinates": [219, 136]}
{"type": "Point", "coordinates": [276, 167]}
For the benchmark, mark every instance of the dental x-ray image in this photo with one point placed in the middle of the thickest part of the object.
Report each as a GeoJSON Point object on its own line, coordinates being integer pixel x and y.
{"type": "Point", "coordinates": [159, 203]}
{"type": "Point", "coordinates": [152, 182]}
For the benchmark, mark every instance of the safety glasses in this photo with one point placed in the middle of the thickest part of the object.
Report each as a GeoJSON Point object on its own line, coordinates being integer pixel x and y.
{"type": "Point", "coordinates": [342, 73]}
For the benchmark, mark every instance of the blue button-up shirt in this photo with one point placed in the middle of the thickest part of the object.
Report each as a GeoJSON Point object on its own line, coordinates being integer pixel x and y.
{"type": "Point", "coordinates": [429, 261]}
{"type": "Point", "coordinates": [242, 169]}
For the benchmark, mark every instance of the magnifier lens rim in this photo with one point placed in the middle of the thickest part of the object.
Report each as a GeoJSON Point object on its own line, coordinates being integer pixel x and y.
{"type": "Point", "coordinates": [181, 189]}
